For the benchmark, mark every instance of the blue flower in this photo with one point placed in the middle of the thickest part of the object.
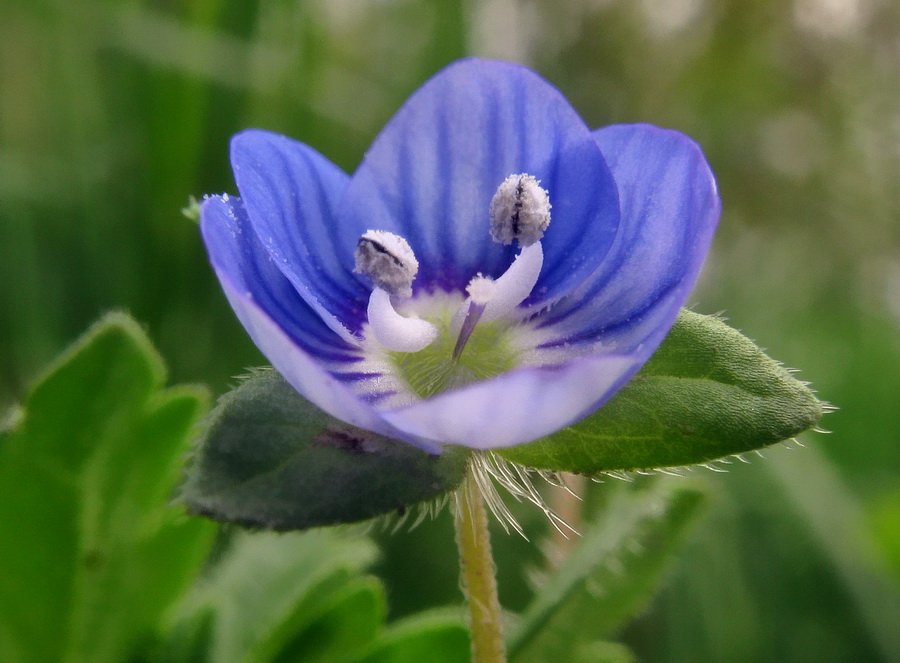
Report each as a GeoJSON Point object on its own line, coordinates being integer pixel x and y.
{"type": "Point", "coordinates": [492, 272]}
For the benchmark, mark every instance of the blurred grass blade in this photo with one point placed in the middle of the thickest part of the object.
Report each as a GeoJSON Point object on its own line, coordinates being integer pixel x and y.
{"type": "Point", "coordinates": [610, 575]}
{"type": "Point", "coordinates": [85, 481]}
{"type": "Point", "coordinates": [836, 519]}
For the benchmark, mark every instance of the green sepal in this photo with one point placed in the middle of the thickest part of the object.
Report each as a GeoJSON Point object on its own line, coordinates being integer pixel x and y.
{"type": "Point", "coordinates": [708, 392]}
{"type": "Point", "coordinates": [270, 459]}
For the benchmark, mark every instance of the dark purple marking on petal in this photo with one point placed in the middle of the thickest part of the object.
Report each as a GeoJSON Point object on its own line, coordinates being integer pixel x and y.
{"type": "Point", "coordinates": [356, 376]}
{"type": "Point", "coordinates": [373, 398]}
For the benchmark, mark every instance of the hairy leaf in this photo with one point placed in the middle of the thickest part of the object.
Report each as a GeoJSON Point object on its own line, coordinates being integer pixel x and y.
{"type": "Point", "coordinates": [273, 460]}
{"type": "Point", "coordinates": [436, 636]}
{"type": "Point", "coordinates": [267, 589]}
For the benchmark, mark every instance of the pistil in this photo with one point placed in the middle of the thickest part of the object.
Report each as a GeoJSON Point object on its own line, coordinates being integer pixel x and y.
{"type": "Point", "coordinates": [480, 294]}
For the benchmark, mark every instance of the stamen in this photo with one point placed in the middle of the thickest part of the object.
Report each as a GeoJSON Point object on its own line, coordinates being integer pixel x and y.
{"type": "Point", "coordinates": [520, 211]}
{"type": "Point", "coordinates": [389, 262]}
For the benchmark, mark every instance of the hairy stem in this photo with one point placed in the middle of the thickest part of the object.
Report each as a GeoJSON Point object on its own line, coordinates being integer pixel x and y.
{"type": "Point", "coordinates": [477, 574]}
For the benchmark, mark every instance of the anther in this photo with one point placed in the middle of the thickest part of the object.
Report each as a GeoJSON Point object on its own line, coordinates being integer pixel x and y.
{"type": "Point", "coordinates": [520, 211]}
{"type": "Point", "coordinates": [389, 262]}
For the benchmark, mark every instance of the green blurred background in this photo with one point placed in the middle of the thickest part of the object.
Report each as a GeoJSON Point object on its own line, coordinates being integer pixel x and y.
{"type": "Point", "coordinates": [113, 112]}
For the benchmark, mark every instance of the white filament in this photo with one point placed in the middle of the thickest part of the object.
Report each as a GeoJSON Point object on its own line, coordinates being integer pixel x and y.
{"type": "Point", "coordinates": [514, 286]}
{"type": "Point", "coordinates": [394, 331]}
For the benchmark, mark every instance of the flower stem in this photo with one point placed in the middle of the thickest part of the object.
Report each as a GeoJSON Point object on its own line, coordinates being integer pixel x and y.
{"type": "Point", "coordinates": [479, 583]}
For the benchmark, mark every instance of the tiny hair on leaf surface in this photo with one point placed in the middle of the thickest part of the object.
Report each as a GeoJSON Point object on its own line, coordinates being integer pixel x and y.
{"type": "Point", "coordinates": [270, 459]}
{"type": "Point", "coordinates": [707, 393]}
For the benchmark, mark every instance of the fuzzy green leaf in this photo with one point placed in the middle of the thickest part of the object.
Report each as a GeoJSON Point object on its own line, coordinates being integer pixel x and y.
{"type": "Point", "coordinates": [708, 392]}
{"type": "Point", "coordinates": [271, 459]}
{"type": "Point", "coordinates": [86, 474]}
{"type": "Point", "coordinates": [603, 652]}
{"type": "Point", "coordinates": [341, 627]}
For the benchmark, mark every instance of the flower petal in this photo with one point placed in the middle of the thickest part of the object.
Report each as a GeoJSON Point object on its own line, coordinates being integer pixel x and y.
{"type": "Point", "coordinates": [237, 254]}
{"type": "Point", "coordinates": [520, 406]}
{"type": "Point", "coordinates": [431, 173]}
{"type": "Point", "coordinates": [619, 315]}
{"type": "Point", "coordinates": [291, 194]}
{"type": "Point", "coordinates": [286, 330]}
{"type": "Point", "coordinates": [669, 210]}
